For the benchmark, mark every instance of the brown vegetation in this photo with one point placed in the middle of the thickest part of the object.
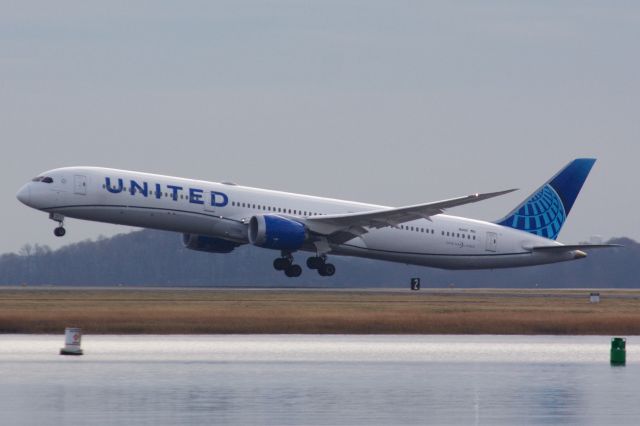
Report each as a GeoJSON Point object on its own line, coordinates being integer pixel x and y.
{"type": "Point", "coordinates": [267, 311]}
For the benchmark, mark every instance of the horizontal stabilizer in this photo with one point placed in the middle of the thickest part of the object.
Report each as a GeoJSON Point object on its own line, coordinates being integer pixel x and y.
{"type": "Point", "coordinates": [569, 247]}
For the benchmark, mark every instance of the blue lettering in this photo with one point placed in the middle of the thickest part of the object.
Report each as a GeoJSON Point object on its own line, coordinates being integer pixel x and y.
{"type": "Point", "coordinates": [195, 196]}
{"type": "Point", "coordinates": [135, 186]}
{"type": "Point", "coordinates": [158, 191]}
{"type": "Point", "coordinates": [219, 199]}
{"type": "Point", "coordinates": [113, 189]}
{"type": "Point", "coordinates": [174, 193]}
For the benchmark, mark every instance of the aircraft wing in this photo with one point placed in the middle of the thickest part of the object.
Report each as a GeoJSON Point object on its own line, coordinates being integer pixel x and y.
{"type": "Point", "coordinates": [350, 225]}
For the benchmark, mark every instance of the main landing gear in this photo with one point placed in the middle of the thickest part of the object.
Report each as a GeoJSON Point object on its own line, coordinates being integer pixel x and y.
{"type": "Point", "coordinates": [285, 263]}
{"type": "Point", "coordinates": [320, 263]}
{"type": "Point", "coordinates": [59, 231]}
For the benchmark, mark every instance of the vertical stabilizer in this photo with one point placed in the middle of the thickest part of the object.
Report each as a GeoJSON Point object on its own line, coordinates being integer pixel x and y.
{"type": "Point", "coordinates": [546, 210]}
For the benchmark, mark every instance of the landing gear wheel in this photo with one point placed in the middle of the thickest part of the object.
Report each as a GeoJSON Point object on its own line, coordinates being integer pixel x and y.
{"type": "Point", "coordinates": [57, 217]}
{"type": "Point", "coordinates": [293, 271]}
{"type": "Point", "coordinates": [315, 262]}
{"type": "Point", "coordinates": [327, 270]}
{"type": "Point", "coordinates": [281, 264]}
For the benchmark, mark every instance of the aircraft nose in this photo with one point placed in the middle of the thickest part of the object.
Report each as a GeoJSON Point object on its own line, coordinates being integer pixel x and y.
{"type": "Point", "coordinates": [24, 195]}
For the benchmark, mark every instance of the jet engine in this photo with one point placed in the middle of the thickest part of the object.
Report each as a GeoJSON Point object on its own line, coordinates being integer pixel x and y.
{"type": "Point", "coordinates": [276, 232]}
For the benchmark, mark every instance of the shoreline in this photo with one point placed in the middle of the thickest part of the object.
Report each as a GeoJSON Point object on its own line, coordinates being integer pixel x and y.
{"type": "Point", "coordinates": [121, 310]}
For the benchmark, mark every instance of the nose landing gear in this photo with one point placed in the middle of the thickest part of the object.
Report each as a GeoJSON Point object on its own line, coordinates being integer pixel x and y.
{"type": "Point", "coordinates": [59, 231]}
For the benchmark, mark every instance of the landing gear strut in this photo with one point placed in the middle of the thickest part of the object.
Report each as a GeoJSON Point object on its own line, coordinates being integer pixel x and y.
{"type": "Point", "coordinates": [59, 231]}
{"type": "Point", "coordinates": [285, 263]}
{"type": "Point", "coordinates": [320, 263]}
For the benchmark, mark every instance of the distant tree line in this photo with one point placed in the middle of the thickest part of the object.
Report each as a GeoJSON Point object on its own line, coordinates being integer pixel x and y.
{"type": "Point", "coordinates": [158, 258]}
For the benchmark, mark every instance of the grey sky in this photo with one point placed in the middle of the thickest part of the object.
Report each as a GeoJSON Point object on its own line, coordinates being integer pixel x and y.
{"type": "Point", "coordinates": [387, 102]}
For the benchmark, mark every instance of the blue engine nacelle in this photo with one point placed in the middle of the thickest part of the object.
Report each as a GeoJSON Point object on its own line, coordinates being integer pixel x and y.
{"type": "Point", "coordinates": [276, 232]}
{"type": "Point", "coordinates": [208, 244]}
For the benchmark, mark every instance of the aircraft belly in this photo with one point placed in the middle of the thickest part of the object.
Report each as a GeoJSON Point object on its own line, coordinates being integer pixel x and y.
{"type": "Point", "coordinates": [449, 260]}
{"type": "Point", "coordinates": [167, 220]}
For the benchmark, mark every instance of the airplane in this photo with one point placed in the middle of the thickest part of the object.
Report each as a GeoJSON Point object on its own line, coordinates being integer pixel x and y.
{"type": "Point", "coordinates": [219, 217]}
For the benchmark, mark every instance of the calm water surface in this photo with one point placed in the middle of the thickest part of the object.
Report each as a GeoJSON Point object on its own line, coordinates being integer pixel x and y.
{"type": "Point", "coordinates": [318, 379]}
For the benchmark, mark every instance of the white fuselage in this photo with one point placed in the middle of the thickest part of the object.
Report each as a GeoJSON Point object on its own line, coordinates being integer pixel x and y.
{"type": "Point", "coordinates": [223, 211]}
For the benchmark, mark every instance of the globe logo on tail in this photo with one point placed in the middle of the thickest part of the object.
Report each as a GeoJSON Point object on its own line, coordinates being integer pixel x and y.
{"type": "Point", "coordinates": [543, 214]}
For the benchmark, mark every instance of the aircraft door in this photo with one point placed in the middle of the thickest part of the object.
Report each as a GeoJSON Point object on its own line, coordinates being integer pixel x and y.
{"type": "Point", "coordinates": [80, 184]}
{"type": "Point", "coordinates": [492, 241]}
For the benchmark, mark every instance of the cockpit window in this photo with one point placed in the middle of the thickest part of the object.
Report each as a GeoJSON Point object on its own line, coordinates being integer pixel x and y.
{"type": "Point", "coordinates": [44, 179]}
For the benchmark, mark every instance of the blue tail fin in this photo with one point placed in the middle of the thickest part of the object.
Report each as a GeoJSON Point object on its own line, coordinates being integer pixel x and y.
{"type": "Point", "coordinates": [546, 210]}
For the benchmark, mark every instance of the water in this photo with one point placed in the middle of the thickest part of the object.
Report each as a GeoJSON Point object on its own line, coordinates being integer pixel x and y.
{"type": "Point", "coordinates": [293, 380]}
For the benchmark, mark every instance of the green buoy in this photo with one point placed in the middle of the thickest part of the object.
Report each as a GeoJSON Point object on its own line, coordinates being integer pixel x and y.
{"type": "Point", "coordinates": [618, 351]}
